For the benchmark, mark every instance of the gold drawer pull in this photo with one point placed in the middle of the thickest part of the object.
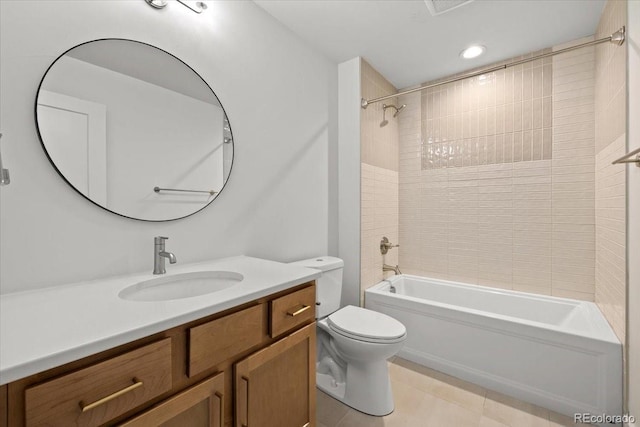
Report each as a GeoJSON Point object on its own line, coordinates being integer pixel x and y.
{"type": "Point", "coordinates": [300, 310]}
{"type": "Point", "coordinates": [135, 385]}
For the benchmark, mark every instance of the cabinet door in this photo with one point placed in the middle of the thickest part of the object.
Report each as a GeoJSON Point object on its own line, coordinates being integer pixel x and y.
{"type": "Point", "coordinates": [4, 406]}
{"type": "Point", "coordinates": [199, 406]}
{"type": "Point", "coordinates": [276, 387]}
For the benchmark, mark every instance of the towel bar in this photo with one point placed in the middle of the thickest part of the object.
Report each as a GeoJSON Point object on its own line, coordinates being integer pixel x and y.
{"type": "Point", "coordinates": [210, 192]}
{"type": "Point", "coordinates": [626, 158]}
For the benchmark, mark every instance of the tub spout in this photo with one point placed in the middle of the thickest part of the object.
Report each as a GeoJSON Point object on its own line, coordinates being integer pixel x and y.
{"type": "Point", "coordinates": [387, 267]}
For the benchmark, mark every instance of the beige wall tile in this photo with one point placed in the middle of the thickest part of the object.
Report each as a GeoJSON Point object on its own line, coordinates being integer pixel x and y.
{"type": "Point", "coordinates": [525, 226]}
{"type": "Point", "coordinates": [380, 153]}
{"type": "Point", "coordinates": [610, 116]}
{"type": "Point", "coordinates": [379, 217]}
{"type": "Point", "coordinates": [610, 263]}
{"type": "Point", "coordinates": [517, 116]}
{"type": "Point", "coordinates": [379, 137]}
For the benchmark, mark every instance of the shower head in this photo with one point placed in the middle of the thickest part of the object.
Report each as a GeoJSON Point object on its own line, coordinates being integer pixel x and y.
{"type": "Point", "coordinates": [398, 110]}
{"type": "Point", "coordinates": [395, 114]}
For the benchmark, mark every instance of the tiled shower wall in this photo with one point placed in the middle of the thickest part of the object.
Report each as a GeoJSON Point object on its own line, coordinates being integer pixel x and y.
{"type": "Point", "coordinates": [497, 179]}
{"type": "Point", "coordinates": [500, 117]}
{"type": "Point", "coordinates": [573, 173]}
{"type": "Point", "coordinates": [379, 178]}
{"type": "Point", "coordinates": [610, 143]}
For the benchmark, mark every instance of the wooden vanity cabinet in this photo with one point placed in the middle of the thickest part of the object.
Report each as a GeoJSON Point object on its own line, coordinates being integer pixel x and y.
{"type": "Point", "coordinates": [186, 376]}
{"type": "Point", "coordinates": [4, 416]}
{"type": "Point", "coordinates": [276, 386]}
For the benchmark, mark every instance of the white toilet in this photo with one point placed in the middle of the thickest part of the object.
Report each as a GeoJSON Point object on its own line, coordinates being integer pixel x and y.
{"type": "Point", "coordinates": [353, 344]}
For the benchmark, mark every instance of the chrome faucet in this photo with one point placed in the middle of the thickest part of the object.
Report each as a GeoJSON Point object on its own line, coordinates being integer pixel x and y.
{"type": "Point", "coordinates": [159, 254]}
{"type": "Point", "coordinates": [387, 267]}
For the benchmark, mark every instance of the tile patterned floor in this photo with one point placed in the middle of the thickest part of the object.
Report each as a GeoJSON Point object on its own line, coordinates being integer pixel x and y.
{"type": "Point", "coordinates": [427, 398]}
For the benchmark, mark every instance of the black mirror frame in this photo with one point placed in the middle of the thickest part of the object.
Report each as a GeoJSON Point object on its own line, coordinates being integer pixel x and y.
{"type": "Point", "coordinates": [40, 137]}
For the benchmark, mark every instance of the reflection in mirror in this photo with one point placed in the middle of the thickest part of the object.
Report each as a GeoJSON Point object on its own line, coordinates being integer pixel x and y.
{"type": "Point", "coordinates": [118, 118]}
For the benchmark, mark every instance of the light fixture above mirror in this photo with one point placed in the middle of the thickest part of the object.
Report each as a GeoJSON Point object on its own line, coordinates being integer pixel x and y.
{"type": "Point", "coordinates": [196, 6]}
{"type": "Point", "coordinates": [157, 4]}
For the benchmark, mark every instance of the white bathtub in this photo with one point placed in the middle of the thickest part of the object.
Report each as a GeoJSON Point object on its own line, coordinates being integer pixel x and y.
{"type": "Point", "coordinates": [554, 352]}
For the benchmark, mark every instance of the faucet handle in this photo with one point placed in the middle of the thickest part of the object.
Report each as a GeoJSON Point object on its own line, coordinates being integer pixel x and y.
{"type": "Point", "coordinates": [385, 245]}
{"type": "Point", "coordinates": [160, 239]}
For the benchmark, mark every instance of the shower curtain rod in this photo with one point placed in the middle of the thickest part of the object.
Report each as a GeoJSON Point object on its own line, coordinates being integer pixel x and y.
{"type": "Point", "coordinates": [616, 38]}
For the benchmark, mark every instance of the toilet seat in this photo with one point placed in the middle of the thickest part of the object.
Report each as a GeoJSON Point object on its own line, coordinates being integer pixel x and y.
{"type": "Point", "coordinates": [366, 325]}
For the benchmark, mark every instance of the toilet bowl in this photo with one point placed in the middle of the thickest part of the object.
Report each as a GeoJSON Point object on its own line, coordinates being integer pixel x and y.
{"type": "Point", "coordinates": [367, 386]}
{"type": "Point", "coordinates": [353, 345]}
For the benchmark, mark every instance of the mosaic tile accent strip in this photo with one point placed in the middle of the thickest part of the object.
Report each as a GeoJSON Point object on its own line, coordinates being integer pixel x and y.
{"type": "Point", "coordinates": [500, 117]}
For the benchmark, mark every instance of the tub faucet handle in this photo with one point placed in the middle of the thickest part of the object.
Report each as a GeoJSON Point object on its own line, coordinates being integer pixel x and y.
{"type": "Point", "coordinates": [385, 245]}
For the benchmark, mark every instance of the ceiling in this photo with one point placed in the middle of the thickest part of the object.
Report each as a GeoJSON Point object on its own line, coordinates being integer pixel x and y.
{"type": "Point", "coordinates": [404, 42]}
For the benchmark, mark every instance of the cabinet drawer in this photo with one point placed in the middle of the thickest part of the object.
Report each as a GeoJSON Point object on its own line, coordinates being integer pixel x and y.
{"type": "Point", "coordinates": [216, 341]}
{"type": "Point", "coordinates": [292, 310]}
{"type": "Point", "coordinates": [96, 394]}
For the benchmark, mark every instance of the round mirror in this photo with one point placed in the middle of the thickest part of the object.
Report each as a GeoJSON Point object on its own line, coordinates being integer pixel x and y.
{"type": "Point", "coordinates": [134, 129]}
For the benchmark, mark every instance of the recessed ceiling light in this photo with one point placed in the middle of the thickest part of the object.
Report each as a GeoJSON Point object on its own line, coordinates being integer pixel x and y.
{"type": "Point", "coordinates": [473, 51]}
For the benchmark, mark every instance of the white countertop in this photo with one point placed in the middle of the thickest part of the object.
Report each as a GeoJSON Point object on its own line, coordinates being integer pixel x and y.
{"type": "Point", "coordinates": [46, 328]}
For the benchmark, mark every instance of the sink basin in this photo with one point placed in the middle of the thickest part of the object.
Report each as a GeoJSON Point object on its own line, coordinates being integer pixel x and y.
{"type": "Point", "coordinates": [178, 286]}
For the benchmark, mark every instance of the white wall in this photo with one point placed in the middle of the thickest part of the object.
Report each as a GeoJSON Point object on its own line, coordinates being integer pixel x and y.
{"type": "Point", "coordinates": [349, 182]}
{"type": "Point", "coordinates": [633, 212]}
{"type": "Point", "coordinates": [277, 92]}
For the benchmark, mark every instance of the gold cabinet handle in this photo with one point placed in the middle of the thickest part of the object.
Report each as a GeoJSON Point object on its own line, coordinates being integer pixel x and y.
{"type": "Point", "coordinates": [300, 310]}
{"type": "Point", "coordinates": [244, 403]}
{"type": "Point", "coordinates": [88, 407]}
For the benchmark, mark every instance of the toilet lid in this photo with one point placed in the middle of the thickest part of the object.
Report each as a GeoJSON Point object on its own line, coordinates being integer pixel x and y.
{"type": "Point", "coordinates": [366, 324]}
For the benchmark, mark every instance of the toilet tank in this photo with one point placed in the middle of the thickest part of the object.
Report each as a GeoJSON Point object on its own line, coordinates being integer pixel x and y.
{"type": "Point", "coordinates": [328, 285]}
